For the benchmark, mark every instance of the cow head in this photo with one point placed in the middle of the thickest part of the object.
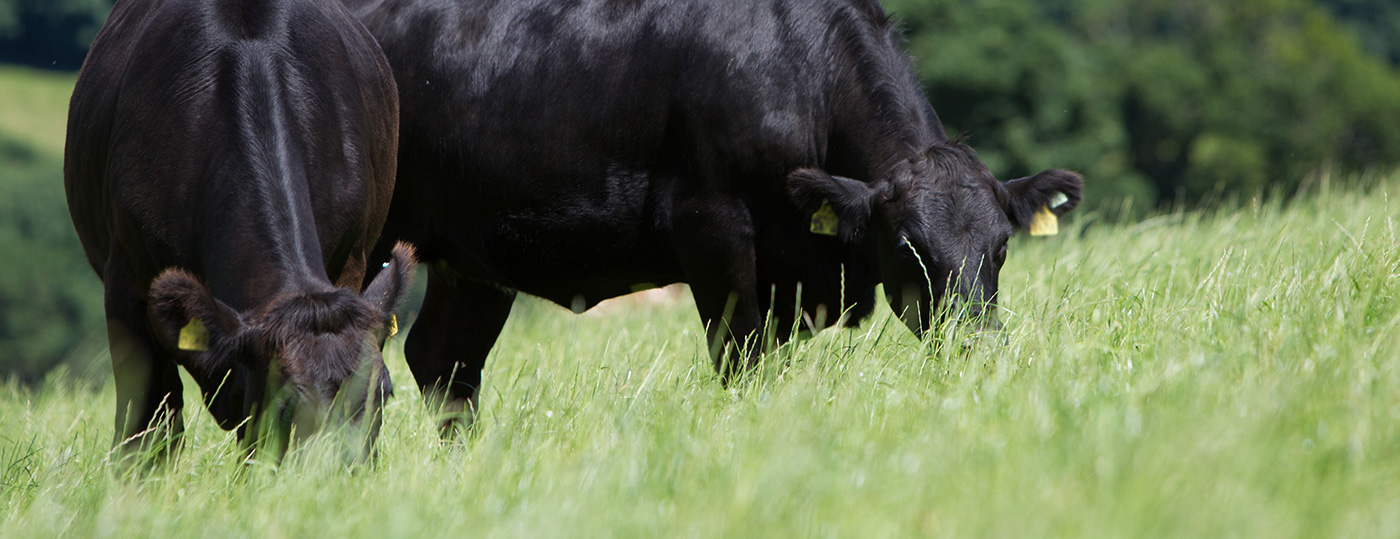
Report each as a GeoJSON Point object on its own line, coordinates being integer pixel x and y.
{"type": "Point", "coordinates": [940, 222]}
{"type": "Point", "coordinates": [311, 360]}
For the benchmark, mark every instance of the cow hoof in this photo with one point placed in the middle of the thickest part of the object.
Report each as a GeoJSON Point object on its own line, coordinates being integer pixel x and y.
{"type": "Point", "coordinates": [456, 418]}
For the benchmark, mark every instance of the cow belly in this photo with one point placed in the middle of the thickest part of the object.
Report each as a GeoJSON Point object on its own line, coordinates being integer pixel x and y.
{"type": "Point", "coordinates": [565, 259]}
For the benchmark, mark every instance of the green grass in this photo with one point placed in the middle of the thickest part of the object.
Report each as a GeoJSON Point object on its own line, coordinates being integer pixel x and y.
{"type": "Point", "coordinates": [1224, 374]}
{"type": "Point", "coordinates": [1231, 374]}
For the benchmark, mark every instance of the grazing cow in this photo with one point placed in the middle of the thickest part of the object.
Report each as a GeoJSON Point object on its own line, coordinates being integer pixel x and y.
{"type": "Point", "coordinates": [229, 166]}
{"type": "Point", "coordinates": [575, 150]}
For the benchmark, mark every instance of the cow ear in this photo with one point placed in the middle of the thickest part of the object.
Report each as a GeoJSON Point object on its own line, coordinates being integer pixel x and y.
{"type": "Point", "coordinates": [838, 206]}
{"type": "Point", "coordinates": [1056, 191]}
{"type": "Point", "coordinates": [187, 318]}
{"type": "Point", "coordinates": [390, 287]}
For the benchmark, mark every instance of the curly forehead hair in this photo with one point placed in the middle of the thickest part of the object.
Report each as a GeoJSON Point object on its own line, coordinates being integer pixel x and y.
{"type": "Point", "coordinates": [955, 160]}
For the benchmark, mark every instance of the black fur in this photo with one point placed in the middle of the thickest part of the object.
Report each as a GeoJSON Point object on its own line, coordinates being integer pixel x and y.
{"type": "Point", "coordinates": [574, 150]}
{"type": "Point", "coordinates": [232, 161]}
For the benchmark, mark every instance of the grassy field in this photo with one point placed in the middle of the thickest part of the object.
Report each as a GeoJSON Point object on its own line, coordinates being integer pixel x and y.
{"type": "Point", "coordinates": [1194, 375]}
{"type": "Point", "coordinates": [35, 106]}
{"type": "Point", "coordinates": [1227, 374]}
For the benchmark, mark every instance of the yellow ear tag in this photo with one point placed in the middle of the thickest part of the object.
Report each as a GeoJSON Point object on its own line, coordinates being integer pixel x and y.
{"type": "Point", "coordinates": [393, 325]}
{"type": "Point", "coordinates": [194, 337]}
{"type": "Point", "coordinates": [825, 221]}
{"type": "Point", "coordinates": [1044, 223]}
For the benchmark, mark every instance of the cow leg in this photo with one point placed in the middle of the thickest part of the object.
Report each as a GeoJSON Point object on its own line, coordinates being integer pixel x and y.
{"type": "Point", "coordinates": [226, 397]}
{"type": "Point", "coordinates": [149, 398]}
{"type": "Point", "coordinates": [715, 243]}
{"type": "Point", "coordinates": [447, 347]}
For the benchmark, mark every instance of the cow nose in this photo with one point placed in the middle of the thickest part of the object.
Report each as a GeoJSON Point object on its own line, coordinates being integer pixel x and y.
{"type": "Point", "coordinates": [308, 417]}
{"type": "Point", "coordinates": [975, 314]}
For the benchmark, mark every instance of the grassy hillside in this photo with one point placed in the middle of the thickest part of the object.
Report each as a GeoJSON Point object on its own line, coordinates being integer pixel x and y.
{"type": "Point", "coordinates": [1232, 374]}
{"type": "Point", "coordinates": [36, 107]}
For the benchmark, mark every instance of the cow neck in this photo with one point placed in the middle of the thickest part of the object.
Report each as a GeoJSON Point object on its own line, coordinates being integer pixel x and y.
{"type": "Point", "coordinates": [263, 241]}
{"type": "Point", "coordinates": [883, 116]}
{"type": "Point", "coordinates": [273, 252]}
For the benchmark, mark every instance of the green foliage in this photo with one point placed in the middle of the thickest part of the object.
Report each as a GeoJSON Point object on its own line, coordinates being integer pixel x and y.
{"type": "Point", "coordinates": [1228, 374]}
{"type": "Point", "coordinates": [1157, 99]}
{"type": "Point", "coordinates": [49, 33]}
{"type": "Point", "coordinates": [50, 299]}
{"type": "Point", "coordinates": [1376, 21]}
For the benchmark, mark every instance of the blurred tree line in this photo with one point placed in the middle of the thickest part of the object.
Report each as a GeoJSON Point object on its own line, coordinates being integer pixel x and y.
{"type": "Point", "coordinates": [1163, 101]}
{"type": "Point", "coordinates": [52, 34]}
{"type": "Point", "coordinates": [1377, 22]}
{"type": "Point", "coordinates": [50, 300]}
{"type": "Point", "coordinates": [1160, 100]}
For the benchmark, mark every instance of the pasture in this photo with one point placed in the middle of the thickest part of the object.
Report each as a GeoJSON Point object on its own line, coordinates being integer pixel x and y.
{"type": "Point", "coordinates": [1226, 373]}
{"type": "Point", "coordinates": [36, 106]}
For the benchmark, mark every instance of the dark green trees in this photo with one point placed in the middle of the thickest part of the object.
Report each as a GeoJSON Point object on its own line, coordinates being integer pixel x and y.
{"type": "Point", "coordinates": [1157, 99]}
{"type": "Point", "coordinates": [50, 301]}
{"type": "Point", "coordinates": [1377, 22]}
{"type": "Point", "coordinates": [52, 34]}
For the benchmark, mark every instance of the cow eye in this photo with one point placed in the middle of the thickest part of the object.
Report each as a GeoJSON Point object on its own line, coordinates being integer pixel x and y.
{"type": "Point", "coordinates": [1001, 254]}
{"type": "Point", "coordinates": [906, 249]}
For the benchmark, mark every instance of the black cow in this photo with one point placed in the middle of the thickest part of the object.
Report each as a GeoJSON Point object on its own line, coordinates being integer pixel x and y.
{"type": "Point", "coordinates": [229, 165]}
{"type": "Point", "coordinates": [576, 150]}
